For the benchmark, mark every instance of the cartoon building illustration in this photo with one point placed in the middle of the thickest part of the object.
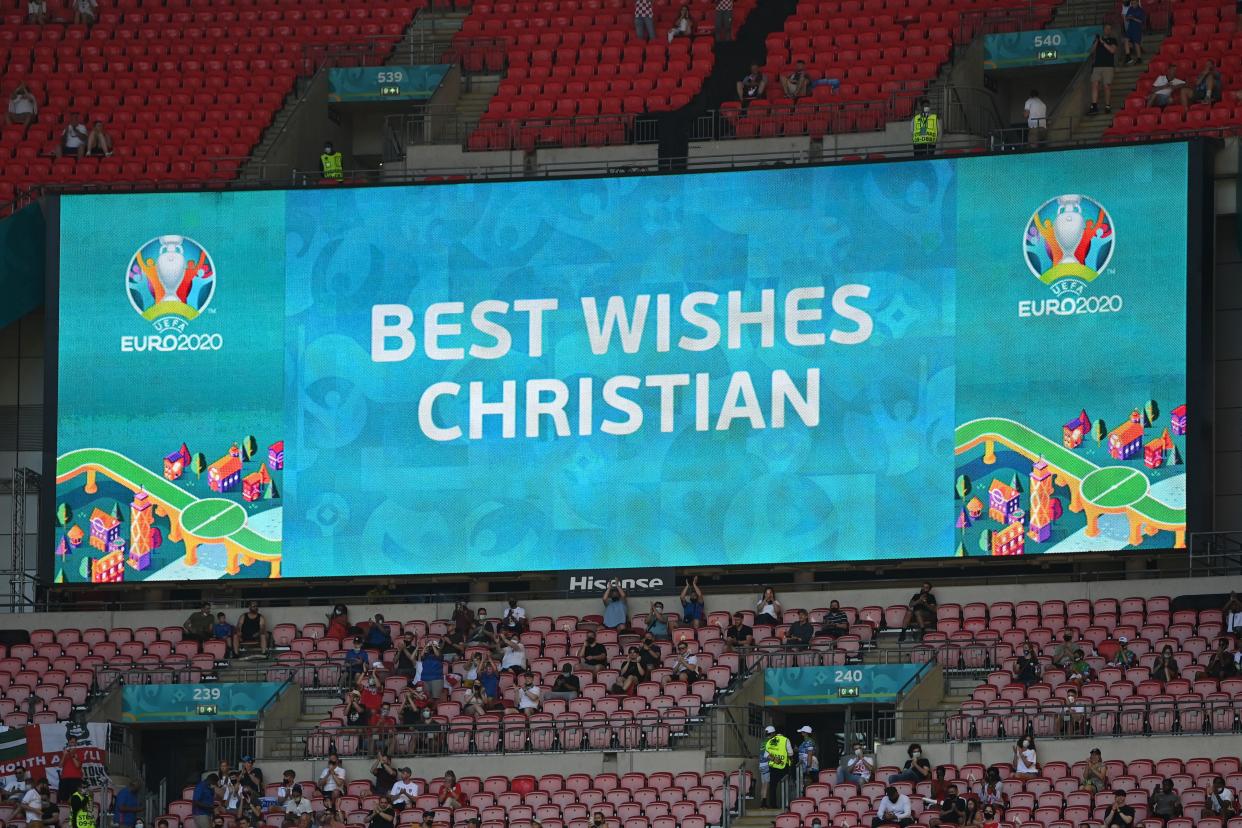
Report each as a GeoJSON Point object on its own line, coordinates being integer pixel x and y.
{"type": "Point", "coordinates": [75, 536]}
{"type": "Point", "coordinates": [1136, 417]}
{"type": "Point", "coordinates": [975, 508]}
{"type": "Point", "coordinates": [1153, 452]}
{"type": "Point", "coordinates": [104, 529]}
{"type": "Point", "coordinates": [253, 483]}
{"type": "Point", "coordinates": [1009, 541]}
{"type": "Point", "coordinates": [110, 569]}
{"type": "Point", "coordinates": [1002, 501]}
{"type": "Point", "coordinates": [1177, 420]}
{"type": "Point", "coordinates": [963, 520]}
{"type": "Point", "coordinates": [1126, 440]}
{"type": "Point", "coordinates": [1041, 501]}
{"type": "Point", "coordinates": [1076, 429]}
{"type": "Point", "coordinates": [141, 527]}
{"type": "Point", "coordinates": [62, 547]}
{"type": "Point", "coordinates": [276, 455]}
{"type": "Point", "coordinates": [176, 463]}
{"type": "Point", "coordinates": [222, 475]}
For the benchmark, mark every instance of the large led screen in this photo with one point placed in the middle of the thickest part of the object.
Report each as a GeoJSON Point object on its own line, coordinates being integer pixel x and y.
{"type": "Point", "coordinates": [963, 356]}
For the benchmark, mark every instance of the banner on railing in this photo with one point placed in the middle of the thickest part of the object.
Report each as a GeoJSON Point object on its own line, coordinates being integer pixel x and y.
{"type": "Point", "coordinates": [196, 702]}
{"type": "Point", "coordinates": [40, 749]}
{"type": "Point", "coordinates": [1010, 50]}
{"type": "Point", "coordinates": [872, 683]}
{"type": "Point", "coordinates": [386, 83]}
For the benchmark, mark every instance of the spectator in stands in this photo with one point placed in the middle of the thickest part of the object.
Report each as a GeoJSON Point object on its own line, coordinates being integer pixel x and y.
{"type": "Point", "coordinates": [99, 142]}
{"type": "Point", "coordinates": [991, 817]}
{"type": "Point", "coordinates": [724, 21]}
{"type": "Point", "coordinates": [836, 622]}
{"type": "Point", "coordinates": [1221, 802]}
{"type": "Point", "coordinates": [85, 12]}
{"type": "Point", "coordinates": [128, 805]}
{"type": "Point", "coordinates": [693, 608]}
{"type": "Point", "coordinates": [1036, 112]}
{"type": "Point", "coordinates": [451, 793]}
{"type": "Point", "coordinates": [924, 135]}
{"type": "Point", "coordinates": [407, 656]}
{"type": "Point", "coordinates": [1027, 670]}
{"type": "Point", "coordinates": [331, 163]}
{"type": "Point", "coordinates": [1165, 668]}
{"type": "Point", "coordinates": [1073, 715]}
{"type": "Point", "coordinates": [513, 620]}
{"type": "Point", "coordinates": [657, 622]}
{"type": "Point", "coordinates": [765, 772]}
{"type": "Point", "coordinates": [566, 685]}
{"type": "Point", "coordinates": [332, 780]}
{"type": "Point", "coordinates": [800, 632]}
{"type": "Point", "coordinates": [1103, 64]}
{"type": "Point", "coordinates": [921, 613]}
{"type": "Point", "coordinates": [70, 769]}
{"type": "Point", "coordinates": [1164, 87]}
{"type": "Point", "coordinates": [330, 818]}
{"type": "Point", "coordinates": [251, 629]}
{"type": "Point", "coordinates": [633, 672]}
{"type": "Point", "coordinates": [952, 808]}
{"type": "Point", "coordinates": [739, 634]}
{"type": "Point", "coordinates": [1079, 671]}
{"type": "Point", "coordinates": [856, 767]}
{"type": "Point", "coordinates": [683, 26]}
{"type": "Point", "coordinates": [377, 636]}
{"type": "Point", "coordinates": [991, 792]}
{"type": "Point", "coordinates": [21, 783]}
{"type": "Point", "coordinates": [404, 790]}
{"type": "Point", "coordinates": [489, 680]}
{"type": "Point", "coordinates": [298, 806]}
{"type": "Point", "coordinates": [616, 608]}
{"type": "Point", "coordinates": [203, 805]}
{"type": "Point", "coordinates": [1133, 21]}
{"type": "Point", "coordinates": [808, 755]}
{"type": "Point", "coordinates": [222, 630]}
{"type": "Point", "coordinates": [198, 626]}
{"type": "Point", "coordinates": [1165, 803]}
{"type": "Point", "coordinates": [513, 654]}
{"type": "Point", "coordinates": [384, 773]}
{"type": "Point", "coordinates": [1208, 84]}
{"type": "Point", "coordinates": [356, 661]}
{"type": "Point", "coordinates": [432, 670]}
{"type": "Point", "coordinates": [768, 609]}
{"type": "Point", "coordinates": [285, 791]}
{"type": "Point", "coordinates": [597, 820]}
{"type": "Point", "coordinates": [36, 12]}
{"type": "Point", "coordinates": [475, 703]}
{"type": "Point", "coordinates": [230, 792]}
{"type": "Point", "coordinates": [1125, 658]}
{"type": "Point", "coordinates": [339, 625]}
{"type": "Point", "coordinates": [249, 807]}
{"type": "Point", "coordinates": [32, 803]}
{"type": "Point", "coordinates": [1063, 653]}
{"type": "Point", "coordinates": [894, 807]}
{"type": "Point", "coordinates": [382, 815]}
{"type": "Point", "coordinates": [51, 810]}
{"type": "Point", "coordinates": [592, 655]}
{"type": "Point", "coordinates": [685, 664]}
{"type": "Point", "coordinates": [415, 704]}
{"type": "Point", "coordinates": [644, 20]}
{"type": "Point", "coordinates": [916, 769]}
{"type": "Point", "coordinates": [251, 776]}
{"type": "Point", "coordinates": [1223, 664]}
{"type": "Point", "coordinates": [649, 653]}
{"type": "Point", "coordinates": [1095, 774]}
{"type": "Point", "coordinates": [939, 785]}
{"type": "Point", "coordinates": [1119, 814]}
{"type": "Point", "coordinates": [23, 108]}
{"type": "Point", "coordinates": [463, 619]}
{"type": "Point", "coordinates": [453, 646]}
{"type": "Point", "coordinates": [750, 88]}
{"type": "Point", "coordinates": [1231, 612]}
{"type": "Point", "coordinates": [1025, 760]}
{"type": "Point", "coordinates": [796, 83]}
{"type": "Point", "coordinates": [528, 698]}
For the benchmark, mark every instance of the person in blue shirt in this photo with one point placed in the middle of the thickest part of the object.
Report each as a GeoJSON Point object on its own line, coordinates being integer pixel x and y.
{"type": "Point", "coordinates": [378, 637]}
{"type": "Point", "coordinates": [355, 662]}
{"type": "Point", "coordinates": [128, 805]}
{"type": "Point", "coordinates": [432, 674]}
{"type": "Point", "coordinates": [203, 805]}
{"type": "Point", "coordinates": [222, 629]}
{"type": "Point", "coordinates": [616, 610]}
{"type": "Point", "coordinates": [693, 610]}
{"type": "Point", "coordinates": [1134, 20]}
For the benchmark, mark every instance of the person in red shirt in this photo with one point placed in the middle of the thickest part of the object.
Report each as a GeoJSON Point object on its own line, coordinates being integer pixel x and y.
{"type": "Point", "coordinates": [451, 793]}
{"type": "Point", "coordinates": [70, 769]}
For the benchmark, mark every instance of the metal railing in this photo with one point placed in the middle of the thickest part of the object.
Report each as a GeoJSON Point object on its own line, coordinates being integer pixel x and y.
{"type": "Point", "coordinates": [1215, 554]}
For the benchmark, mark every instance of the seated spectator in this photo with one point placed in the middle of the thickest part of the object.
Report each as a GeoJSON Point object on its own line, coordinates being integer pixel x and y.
{"type": "Point", "coordinates": [616, 609]}
{"type": "Point", "coordinates": [990, 817]}
{"type": "Point", "coordinates": [1221, 803]}
{"type": "Point", "coordinates": [513, 619]}
{"type": "Point", "coordinates": [1079, 671]}
{"type": "Point", "coordinates": [384, 772]}
{"type": "Point", "coordinates": [836, 622]}
{"type": "Point", "coordinates": [251, 629]}
{"type": "Point", "coordinates": [463, 619]}
{"type": "Point", "coordinates": [800, 632]}
{"type": "Point", "coordinates": [338, 623]}
{"type": "Point", "coordinates": [597, 820]}
{"type": "Point", "coordinates": [752, 87]}
{"type": "Point", "coordinates": [1124, 657]}
{"type": "Point", "coordinates": [768, 609]}
{"type": "Point", "coordinates": [404, 791]}
{"type": "Point", "coordinates": [657, 622]}
{"type": "Point", "coordinates": [566, 685]}
{"type": "Point", "coordinates": [894, 807]}
{"type": "Point", "coordinates": [592, 655]}
{"type": "Point", "coordinates": [1095, 775]}
{"type": "Point", "coordinates": [407, 656]}
{"type": "Point", "coordinates": [991, 792]}
{"type": "Point", "coordinates": [298, 806]}
{"type": "Point", "coordinates": [36, 12]}
{"type": "Point", "coordinates": [1119, 814]}
{"type": "Point", "coordinates": [249, 809]}
{"type": "Point", "coordinates": [489, 681]}
{"type": "Point", "coordinates": [1164, 803]}
{"type": "Point", "coordinates": [693, 608]}
{"type": "Point", "coordinates": [1232, 610]}
{"type": "Point", "coordinates": [633, 672]}
{"type": "Point", "coordinates": [797, 82]}
{"type": "Point", "coordinates": [431, 670]}
{"type": "Point", "coordinates": [198, 626]}
{"type": "Point", "coordinates": [377, 636]}
{"type": "Point", "coordinates": [1027, 671]}
{"type": "Point", "coordinates": [528, 697]}
{"type": "Point", "coordinates": [85, 12]}
{"type": "Point", "coordinates": [916, 769]}
{"type": "Point", "coordinates": [952, 809]}
{"type": "Point", "coordinates": [739, 634]}
{"type": "Point", "coordinates": [1025, 760]}
{"type": "Point", "coordinates": [683, 26]}
{"type": "Point", "coordinates": [921, 613]}
{"type": "Point", "coordinates": [333, 780]}
{"type": "Point", "coordinates": [382, 815]}
{"type": "Point", "coordinates": [415, 704]}
{"type": "Point", "coordinates": [685, 664]}
{"type": "Point", "coordinates": [1165, 668]}
{"type": "Point", "coordinates": [1166, 86]}
{"type": "Point", "coordinates": [451, 794]}
{"type": "Point", "coordinates": [330, 818]}
{"type": "Point", "coordinates": [939, 784]}
{"type": "Point", "coordinates": [356, 661]}
{"type": "Point", "coordinates": [23, 109]}
{"type": "Point", "coordinates": [649, 653]}
{"type": "Point", "coordinates": [1063, 653]}
{"type": "Point", "coordinates": [99, 142]}
{"type": "Point", "coordinates": [1073, 715]}
{"type": "Point", "coordinates": [856, 767]}
{"type": "Point", "coordinates": [371, 686]}
{"type": "Point", "coordinates": [1208, 84]}
{"type": "Point", "coordinates": [251, 775]}
{"type": "Point", "coordinates": [222, 630]}
{"type": "Point", "coordinates": [16, 789]}
{"type": "Point", "coordinates": [475, 703]}
{"type": "Point", "coordinates": [513, 654]}
{"type": "Point", "coordinates": [1223, 663]}
{"type": "Point", "coordinates": [285, 791]}
{"type": "Point", "coordinates": [485, 631]}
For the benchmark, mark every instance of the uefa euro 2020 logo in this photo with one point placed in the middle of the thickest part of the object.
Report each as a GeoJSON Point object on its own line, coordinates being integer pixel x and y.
{"type": "Point", "coordinates": [170, 281]}
{"type": "Point", "coordinates": [1068, 241]}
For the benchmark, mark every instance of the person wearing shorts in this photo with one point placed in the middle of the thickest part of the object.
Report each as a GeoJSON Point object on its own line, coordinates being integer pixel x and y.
{"type": "Point", "coordinates": [1104, 56]}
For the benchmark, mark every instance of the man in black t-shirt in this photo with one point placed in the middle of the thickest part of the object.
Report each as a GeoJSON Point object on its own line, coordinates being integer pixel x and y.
{"type": "Point", "coordinates": [1104, 57]}
{"type": "Point", "coordinates": [739, 634]}
{"type": "Point", "coordinates": [566, 685]}
{"type": "Point", "coordinates": [649, 653]}
{"type": "Point", "coordinates": [952, 809]}
{"type": "Point", "coordinates": [1120, 815]}
{"type": "Point", "coordinates": [593, 655]}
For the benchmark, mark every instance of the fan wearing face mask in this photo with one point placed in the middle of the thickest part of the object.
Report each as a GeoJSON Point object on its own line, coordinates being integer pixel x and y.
{"type": "Point", "coordinates": [1025, 761]}
{"type": "Point", "coordinates": [916, 769]}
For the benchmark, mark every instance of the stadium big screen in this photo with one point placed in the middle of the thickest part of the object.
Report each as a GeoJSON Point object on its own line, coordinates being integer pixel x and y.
{"type": "Point", "coordinates": [966, 356]}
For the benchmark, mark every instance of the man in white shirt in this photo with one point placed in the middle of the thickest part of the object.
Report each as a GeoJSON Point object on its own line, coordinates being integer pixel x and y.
{"type": "Point", "coordinates": [513, 620]}
{"type": "Point", "coordinates": [73, 138]}
{"type": "Point", "coordinates": [32, 804]}
{"type": "Point", "coordinates": [1036, 119]}
{"type": "Point", "coordinates": [404, 791]}
{"type": "Point", "coordinates": [529, 697]}
{"type": "Point", "coordinates": [16, 788]}
{"type": "Point", "coordinates": [513, 654]}
{"type": "Point", "coordinates": [894, 807]}
{"type": "Point", "coordinates": [332, 780]}
{"type": "Point", "coordinates": [298, 806]}
{"type": "Point", "coordinates": [1165, 87]}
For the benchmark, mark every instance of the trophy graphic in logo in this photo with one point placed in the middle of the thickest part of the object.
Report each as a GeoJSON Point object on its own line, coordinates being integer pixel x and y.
{"type": "Point", "coordinates": [171, 280]}
{"type": "Point", "coordinates": [1068, 242]}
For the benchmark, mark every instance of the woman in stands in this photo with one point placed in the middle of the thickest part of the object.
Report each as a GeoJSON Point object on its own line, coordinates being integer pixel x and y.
{"type": "Point", "coordinates": [475, 703]}
{"type": "Point", "coordinates": [1025, 760]}
{"type": "Point", "coordinates": [338, 623]}
{"type": "Point", "coordinates": [1095, 775]}
{"type": "Point", "coordinates": [991, 792]}
{"type": "Point", "coordinates": [451, 793]}
{"type": "Point", "coordinates": [768, 609]}
{"type": "Point", "coordinates": [632, 674]}
{"type": "Point", "coordinates": [683, 26]}
{"type": "Point", "coordinates": [1232, 611]}
{"type": "Point", "coordinates": [1165, 668]}
{"type": "Point", "coordinates": [1027, 672]}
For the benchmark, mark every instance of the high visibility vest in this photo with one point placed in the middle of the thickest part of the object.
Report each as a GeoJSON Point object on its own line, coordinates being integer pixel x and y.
{"type": "Point", "coordinates": [777, 748]}
{"type": "Point", "coordinates": [83, 819]}
{"type": "Point", "coordinates": [926, 128]}
{"type": "Point", "coordinates": [332, 167]}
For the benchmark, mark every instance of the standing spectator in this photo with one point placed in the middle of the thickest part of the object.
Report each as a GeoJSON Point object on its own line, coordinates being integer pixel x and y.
{"type": "Point", "coordinates": [685, 664]}
{"type": "Point", "coordinates": [70, 769]}
{"type": "Point", "coordinates": [939, 785]}
{"type": "Point", "coordinates": [1119, 814]}
{"type": "Point", "coordinates": [752, 87]}
{"type": "Point", "coordinates": [384, 774]}
{"type": "Point", "coordinates": [432, 670]}
{"type": "Point", "coordinates": [452, 795]}
{"type": "Point", "coordinates": [1095, 774]}
{"type": "Point", "coordinates": [921, 613]}
{"type": "Point", "coordinates": [1164, 802]}
{"type": "Point", "coordinates": [32, 803]}
{"type": "Point", "coordinates": [894, 807]}
{"type": "Point", "coordinates": [251, 629]}
{"type": "Point", "coordinates": [1165, 668]}
{"type": "Point", "coordinates": [36, 12]}
{"type": "Point", "coordinates": [644, 20]}
{"type": "Point", "coordinates": [724, 21]}
{"type": "Point", "coordinates": [739, 634]}
{"type": "Point", "coordinates": [1231, 611]}
{"type": "Point", "coordinates": [683, 26]}
{"type": "Point", "coordinates": [768, 609]}
{"type": "Point", "coordinates": [251, 776]}
{"type": "Point", "coordinates": [649, 653]}
{"type": "Point", "coordinates": [592, 655]}
{"type": "Point", "coordinates": [796, 83]}
{"type": "Point", "coordinates": [377, 636]}
{"type": "Point", "coordinates": [693, 608]}
{"type": "Point", "coordinates": [338, 623]}
{"type": "Point", "coordinates": [800, 632]}
{"type": "Point", "coordinates": [1125, 657]}
{"type": "Point", "coordinates": [463, 619]}
{"type": "Point", "coordinates": [332, 780]}
{"type": "Point", "coordinates": [566, 685]}
{"type": "Point", "coordinates": [17, 789]}
{"type": "Point", "coordinates": [404, 791]}
{"type": "Point", "coordinates": [616, 610]}
{"type": "Point", "coordinates": [203, 806]}
{"type": "Point", "coordinates": [916, 769]}
{"type": "Point", "coordinates": [657, 622]}
{"type": "Point", "coordinates": [780, 755]}
{"type": "Point", "coordinates": [529, 697]}
{"type": "Point", "coordinates": [513, 620]}
{"type": "Point", "coordinates": [99, 142]}
{"type": "Point", "coordinates": [475, 703]}
{"type": "Point", "coordinates": [198, 626]}
{"type": "Point", "coordinates": [765, 775]}
{"type": "Point", "coordinates": [513, 654]}
{"type": "Point", "coordinates": [1103, 64]}
{"type": "Point", "coordinates": [485, 631]}
{"type": "Point", "coordinates": [1207, 86]}
{"type": "Point", "coordinates": [415, 704]}
{"type": "Point", "coordinates": [836, 622]}
{"type": "Point", "coordinates": [85, 12]}
{"type": "Point", "coordinates": [128, 805]}
{"type": "Point", "coordinates": [632, 673]}
{"type": "Point", "coordinates": [1027, 670]}
{"type": "Point", "coordinates": [1025, 760]}
{"type": "Point", "coordinates": [1133, 20]}
{"type": "Point", "coordinates": [924, 135]}
{"type": "Point", "coordinates": [808, 755]}
{"type": "Point", "coordinates": [1036, 112]}
{"type": "Point", "coordinates": [453, 646]}
{"type": "Point", "coordinates": [856, 767]}
{"type": "Point", "coordinates": [1222, 803]}
{"type": "Point", "coordinates": [407, 656]}
{"type": "Point", "coordinates": [489, 680]}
